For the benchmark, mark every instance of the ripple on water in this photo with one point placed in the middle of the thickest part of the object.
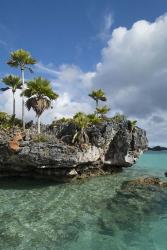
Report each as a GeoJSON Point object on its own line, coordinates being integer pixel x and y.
{"type": "Point", "coordinates": [95, 214]}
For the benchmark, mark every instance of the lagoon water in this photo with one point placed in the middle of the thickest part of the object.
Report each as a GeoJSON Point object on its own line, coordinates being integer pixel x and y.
{"type": "Point", "coordinates": [94, 214]}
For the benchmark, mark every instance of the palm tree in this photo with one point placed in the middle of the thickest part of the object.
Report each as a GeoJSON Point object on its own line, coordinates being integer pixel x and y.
{"type": "Point", "coordinates": [98, 95]}
{"type": "Point", "coordinates": [21, 59]}
{"type": "Point", "coordinates": [81, 120]}
{"type": "Point", "coordinates": [94, 119]}
{"type": "Point", "coordinates": [40, 94]}
{"type": "Point", "coordinates": [13, 83]}
{"type": "Point", "coordinates": [102, 111]}
{"type": "Point", "coordinates": [132, 125]}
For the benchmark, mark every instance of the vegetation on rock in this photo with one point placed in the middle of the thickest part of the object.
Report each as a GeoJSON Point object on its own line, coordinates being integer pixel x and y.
{"type": "Point", "coordinates": [6, 121]}
{"type": "Point", "coordinates": [40, 138]}
{"type": "Point", "coordinates": [94, 119]}
{"type": "Point", "coordinates": [119, 118]}
{"type": "Point", "coordinates": [102, 111]}
{"type": "Point", "coordinates": [82, 121]}
{"type": "Point", "coordinates": [132, 125]}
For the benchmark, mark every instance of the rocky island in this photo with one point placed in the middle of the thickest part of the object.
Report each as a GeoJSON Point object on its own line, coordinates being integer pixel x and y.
{"type": "Point", "coordinates": [69, 148]}
{"type": "Point", "coordinates": [111, 147]}
{"type": "Point", "coordinates": [157, 148]}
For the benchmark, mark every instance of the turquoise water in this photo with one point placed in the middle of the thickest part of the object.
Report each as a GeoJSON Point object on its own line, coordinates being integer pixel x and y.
{"type": "Point", "coordinates": [96, 214]}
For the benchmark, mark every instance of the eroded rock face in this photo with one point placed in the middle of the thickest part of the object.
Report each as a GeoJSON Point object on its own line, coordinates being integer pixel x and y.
{"type": "Point", "coordinates": [111, 145]}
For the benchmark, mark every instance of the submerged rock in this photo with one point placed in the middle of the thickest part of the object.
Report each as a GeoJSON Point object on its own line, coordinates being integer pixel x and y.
{"type": "Point", "coordinates": [132, 209]}
{"type": "Point", "coordinates": [145, 181]}
{"type": "Point", "coordinates": [111, 147]}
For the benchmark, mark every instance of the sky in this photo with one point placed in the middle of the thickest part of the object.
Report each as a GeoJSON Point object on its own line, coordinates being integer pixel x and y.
{"type": "Point", "coordinates": [80, 45]}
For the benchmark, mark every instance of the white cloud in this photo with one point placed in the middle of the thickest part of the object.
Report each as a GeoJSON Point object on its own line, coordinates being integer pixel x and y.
{"type": "Point", "coordinates": [105, 32]}
{"type": "Point", "coordinates": [46, 69]}
{"type": "Point", "coordinates": [66, 107]}
{"type": "Point", "coordinates": [108, 22]}
{"type": "Point", "coordinates": [69, 79]}
{"type": "Point", "coordinates": [133, 67]}
{"type": "Point", "coordinates": [6, 104]}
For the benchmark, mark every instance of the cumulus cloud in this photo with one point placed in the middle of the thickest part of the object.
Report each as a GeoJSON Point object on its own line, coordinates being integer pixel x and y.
{"type": "Point", "coordinates": [133, 67]}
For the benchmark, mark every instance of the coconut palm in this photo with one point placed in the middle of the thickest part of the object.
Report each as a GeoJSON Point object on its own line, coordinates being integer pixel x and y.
{"type": "Point", "coordinates": [21, 59]}
{"type": "Point", "coordinates": [13, 82]}
{"type": "Point", "coordinates": [98, 95]}
{"type": "Point", "coordinates": [40, 95]}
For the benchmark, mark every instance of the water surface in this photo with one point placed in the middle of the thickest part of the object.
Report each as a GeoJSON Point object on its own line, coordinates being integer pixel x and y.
{"type": "Point", "coordinates": [95, 214]}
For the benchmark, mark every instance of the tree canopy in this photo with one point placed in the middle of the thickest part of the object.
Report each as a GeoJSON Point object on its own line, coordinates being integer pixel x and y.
{"type": "Point", "coordinates": [21, 58]}
{"type": "Point", "coordinates": [13, 82]}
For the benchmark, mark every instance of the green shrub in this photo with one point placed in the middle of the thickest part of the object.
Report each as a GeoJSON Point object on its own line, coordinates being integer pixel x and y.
{"type": "Point", "coordinates": [102, 111]}
{"type": "Point", "coordinates": [94, 119]}
{"type": "Point", "coordinates": [61, 121]}
{"type": "Point", "coordinates": [8, 121]}
{"type": "Point", "coordinates": [40, 138]}
{"type": "Point", "coordinates": [118, 118]}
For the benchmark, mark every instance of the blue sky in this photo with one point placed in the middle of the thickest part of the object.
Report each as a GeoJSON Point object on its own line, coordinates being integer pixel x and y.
{"type": "Point", "coordinates": [66, 31]}
{"type": "Point", "coordinates": [117, 45]}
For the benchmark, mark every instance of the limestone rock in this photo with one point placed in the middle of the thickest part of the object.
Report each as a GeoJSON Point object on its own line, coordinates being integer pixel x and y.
{"type": "Point", "coordinates": [110, 144]}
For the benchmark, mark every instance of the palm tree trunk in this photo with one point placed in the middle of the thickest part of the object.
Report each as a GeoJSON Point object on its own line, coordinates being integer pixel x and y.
{"type": "Point", "coordinates": [39, 124]}
{"type": "Point", "coordinates": [96, 104]}
{"type": "Point", "coordinates": [14, 104]}
{"type": "Point", "coordinates": [14, 111]}
{"type": "Point", "coordinates": [96, 107]}
{"type": "Point", "coordinates": [23, 101]}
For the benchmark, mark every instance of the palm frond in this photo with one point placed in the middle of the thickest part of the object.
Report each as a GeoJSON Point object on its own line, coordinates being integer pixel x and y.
{"type": "Point", "coordinates": [39, 105]}
{"type": "Point", "coordinates": [81, 120]}
{"type": "Point", "coordinates": [30, 69]}
{"type": "Point", "coordinates": [20, 58]}
{"type": "Point", "coordinates": [103, 110]}
{"type": "Point", "coordinates": [103, 98]}
{"type": "Point", "coordinates": [4, 89]}
{"type": "Point", "coordinates": [40, 87]}
{"type": "Point", "coordinates": [98, 95]}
